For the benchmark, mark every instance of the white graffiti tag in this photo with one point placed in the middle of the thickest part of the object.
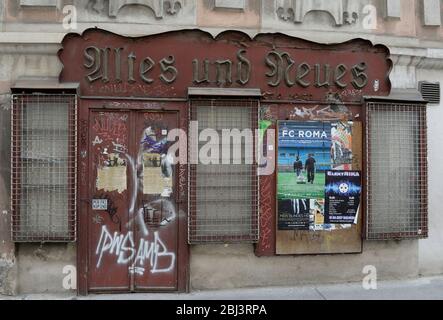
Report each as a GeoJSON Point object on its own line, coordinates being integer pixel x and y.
{"type": "Point", "coordinates": [122, 246]}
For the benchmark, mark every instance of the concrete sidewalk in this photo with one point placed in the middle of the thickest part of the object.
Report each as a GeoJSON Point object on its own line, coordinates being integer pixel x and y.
{"type": "Point", "coordinates": [417, 289]}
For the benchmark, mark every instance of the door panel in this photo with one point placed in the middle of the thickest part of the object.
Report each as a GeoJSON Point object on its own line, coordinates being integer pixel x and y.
{"type": "Point", "coordinates": [132, 224]}
{"type": "Point", "coordinates": [157, 233]}
{"type": "Point", "coordinates": [108, 218]}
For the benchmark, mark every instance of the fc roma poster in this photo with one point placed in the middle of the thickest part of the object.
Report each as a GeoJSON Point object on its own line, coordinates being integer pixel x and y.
{"type": "Point", "coordinates": [317, 190]}
{"type": "Point", "coordinates": [304, 150]}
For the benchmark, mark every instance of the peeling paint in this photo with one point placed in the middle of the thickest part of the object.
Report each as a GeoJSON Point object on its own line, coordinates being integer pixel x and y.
{"type": "Point", "coordinates": [8, 274]}
{"type": "Point", "coordinates": [7, 260]}
{"type": "Point", "coordinates": [41, 254]}
{"type": "Point", "coordinates": [5, 102]}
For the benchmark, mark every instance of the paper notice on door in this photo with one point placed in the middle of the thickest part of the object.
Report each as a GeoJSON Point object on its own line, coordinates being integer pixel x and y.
{"type": "Point", "coordinates": [111, 174]}
{"type": "Point", "coordinates": [157, 178]}
{"type": "Point", "coordinates": [111, 179]}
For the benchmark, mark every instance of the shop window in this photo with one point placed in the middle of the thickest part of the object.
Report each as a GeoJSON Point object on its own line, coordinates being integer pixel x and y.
{"type": "Point", "coordinates": [43, 169]}
{"type": "Point", "coordinates": [396, 171]}
{"type": "Point", "coordinates": [224, 192]}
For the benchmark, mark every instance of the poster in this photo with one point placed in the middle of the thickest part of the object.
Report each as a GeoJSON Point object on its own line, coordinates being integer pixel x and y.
{"type": "Point", "coordinates": [111, 173]}
{"type": "Point", "coordinates": [314, 168]}
{"type": "Point", "coordinates": [342, 196]}
{"type": "Point", "coordinates": [304, 150]}
{"type": "Point", "coordinates": [341, 145]}
{"type": "Point", "coordinates": [157, 174]}
{"type": "Point", "coordinates": [294, 214]}
{"type": "Point", "coordinates": [317, 214]}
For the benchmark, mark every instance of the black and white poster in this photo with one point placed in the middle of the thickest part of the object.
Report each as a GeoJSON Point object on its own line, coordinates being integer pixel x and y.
{"type": "Point", "coordinates": [293, 214]}
{"type": "Point", "coordinates": [342, 197]}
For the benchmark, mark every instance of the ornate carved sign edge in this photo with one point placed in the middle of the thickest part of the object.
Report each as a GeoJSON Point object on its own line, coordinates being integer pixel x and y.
{"type": "Point", "coordinates": [166, 64]}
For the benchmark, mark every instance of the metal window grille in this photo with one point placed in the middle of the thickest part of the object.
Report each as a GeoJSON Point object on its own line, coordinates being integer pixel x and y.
{"type": "Point", "coordinates": [43, 172]}
{"type": "Point", "coordinates": [224, 197]}
{"type": "Point", "coordinates": [397, 171]}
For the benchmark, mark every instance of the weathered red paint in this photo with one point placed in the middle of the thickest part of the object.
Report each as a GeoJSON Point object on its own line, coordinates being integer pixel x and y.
{"type": "Point", "coordinates": [104, 271]}
{"type": "Point", "coordinates": [155, 260]}
{"type": "Point", "coordinates": [162, 65]}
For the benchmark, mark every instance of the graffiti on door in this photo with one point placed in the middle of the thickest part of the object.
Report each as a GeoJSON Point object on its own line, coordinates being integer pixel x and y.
{"type": "Point", "coordinates": [123, 247]}
{"type": "Point", "coordinates": [147, 174]}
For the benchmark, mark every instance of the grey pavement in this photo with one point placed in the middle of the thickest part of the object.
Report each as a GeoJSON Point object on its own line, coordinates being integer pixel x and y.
{"type": "Point", "coordinates": [416, 289]}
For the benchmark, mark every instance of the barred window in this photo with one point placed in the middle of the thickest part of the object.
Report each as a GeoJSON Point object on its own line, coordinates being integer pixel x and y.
{"type": "Point", "coordinates": [224, 197]}
{"type": "Point", "coordinates": [43, 172]}
{"type": "Point", "coordinates": [396, 171]}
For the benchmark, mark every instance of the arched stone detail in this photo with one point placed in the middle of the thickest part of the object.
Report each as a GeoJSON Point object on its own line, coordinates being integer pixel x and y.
{"type": "Point", "coordinates": [296, 10]}
{"type": "Point", "coordinates": [171, 6]}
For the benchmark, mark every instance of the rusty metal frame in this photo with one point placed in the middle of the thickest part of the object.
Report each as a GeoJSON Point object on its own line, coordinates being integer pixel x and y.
{"type": "Point", "coordinates": [18, 102]}
{"type": "Point", "coordinates": [415, 106]}
{"type": "Point", "coordinates": [193, 238]}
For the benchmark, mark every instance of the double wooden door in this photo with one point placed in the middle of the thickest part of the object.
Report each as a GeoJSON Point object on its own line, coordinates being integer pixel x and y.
{"type": "Point", "coordinates": [132, 220]}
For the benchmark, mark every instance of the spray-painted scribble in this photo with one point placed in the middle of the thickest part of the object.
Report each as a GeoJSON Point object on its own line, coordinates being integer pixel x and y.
{"type": "Point", "coordinates": [151, 252]}
{"type": "Point", "coordinates": [96, 141]}
{"type": "Point", "coordinates": [318, 113]}
{"type": "Point", "coordinates": [153, 116]}
{"type": "Point", "coordinates": [137, 270]}
{"type": "Point", "coordinates": [97, 219]}
{"type": "Point", "coordinates": [351, 93]}
{"type": "Point", "coordinates": [151, 144]}
{"type": "Point", "coordinates": [121, 150]}
{"type": "Point", "coordinates": [111, 127]}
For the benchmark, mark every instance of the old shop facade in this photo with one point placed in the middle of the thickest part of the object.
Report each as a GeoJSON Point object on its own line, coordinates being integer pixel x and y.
{"type": "Point", "coordinates": [140, 225]}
